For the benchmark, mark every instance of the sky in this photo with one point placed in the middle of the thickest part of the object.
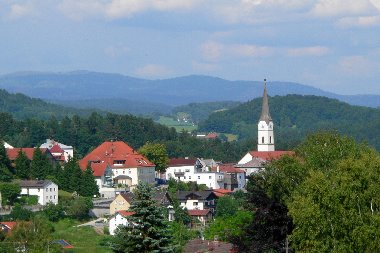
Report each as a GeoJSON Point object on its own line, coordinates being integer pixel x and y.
{"type": "Point", "coordinates": [333, 45]}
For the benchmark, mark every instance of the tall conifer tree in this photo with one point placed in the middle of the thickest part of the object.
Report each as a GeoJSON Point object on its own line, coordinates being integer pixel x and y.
{"type": "Point", "coordinates": [6, 172]}
{"type": "Point", "coordinates": [22, 165]}
{"type": "Point", "coordinates": [88, 185]}
{"type": "Point", "coordinates": [148, 231]}
{"type": "Point", "coordinates": [40, 166]}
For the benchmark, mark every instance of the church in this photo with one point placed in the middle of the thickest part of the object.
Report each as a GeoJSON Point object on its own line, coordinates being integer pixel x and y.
{"type": "Point", "coordinates": [254, 161]}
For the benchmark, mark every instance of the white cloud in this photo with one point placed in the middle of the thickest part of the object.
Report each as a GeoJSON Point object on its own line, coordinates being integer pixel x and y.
{"type": "Point", "coordinates": [21, 10]}
{"type": "Point", "coordinates": [355, 65]}
{"type": "Point", "coordinates": [308, 51]}
{"type": "Point", "coordinates": [365, 21]}
{"type": "Point", "coordinates": [153, 70]}
{"type": "Point", "coordinates": [331, 8]}
{"type": "Point", "coordinates": [80, 9]}
{"type": "Point", "coordinates": [251, 50]}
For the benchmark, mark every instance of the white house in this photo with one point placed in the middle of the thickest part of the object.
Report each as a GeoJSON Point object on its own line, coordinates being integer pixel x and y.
{"type": "Point", "coordinates": [234, 178]}
{"type": "Point", "coordinates": [197, 200]}
{"type": "Point", "coordinates": [123, 161]}
{"type": "Point", "coordinates": [195, 170]}
{"type": "Point", "coordinates": [119, 219]}
{"type": "Point", "coordinates": [68, 151]}
{"type": "Point", "coordinates": [46, 190]}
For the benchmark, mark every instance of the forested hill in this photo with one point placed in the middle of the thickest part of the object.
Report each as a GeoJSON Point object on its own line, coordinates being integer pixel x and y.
{"type": "Point", "coordinates": [23, 107]}
{"type": "Point", "coordinates": [84, 85]}
{"type": "Point", "coordinates": [294, 116]}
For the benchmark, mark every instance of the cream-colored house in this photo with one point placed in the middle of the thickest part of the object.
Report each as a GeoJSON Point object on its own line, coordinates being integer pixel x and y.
{"type": "Point", "coordinates": [121, 202]}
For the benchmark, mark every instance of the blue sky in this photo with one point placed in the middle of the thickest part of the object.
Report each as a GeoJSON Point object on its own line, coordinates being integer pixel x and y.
{"type": "Point", "coordinates": [330, 44]}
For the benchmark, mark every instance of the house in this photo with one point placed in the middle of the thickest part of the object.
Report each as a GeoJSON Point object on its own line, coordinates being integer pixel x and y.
{"type": "Point", "coordinates": [46, 190]}
{"type": "Point", "coordinates": [103, 177]}
{"type": "Point", "coordinates": [234, 178]}
{"type": "Point", "coordinates": [7, 226]}
{"type": "Point", "coordinates": [12, 154]}
{"type": "Point", "coordinates": [123, 161]}
{"type": "Point", "coordinates": [201, 216]}
{"type": "Point", "coordinates": [221, 192]}
{"type": "Point", "coordinates": [255, 161]}
{"type": "Point", "coordinates": [195, 170]}
{"type": "Point", "coordinates": [120, 218]}
{"type": "Point", "coordinates": [64, 150]}
{"type": "Point", "coordinates": [197, 200]}
{"type": "Point", "coordinates": [121, 202]}
{"type": "Point", "coordinates": [124, 200]}
{"type": "Point", "coordinates": [7, 145]}
{"type": "Point", "coordinates": [204, 246]}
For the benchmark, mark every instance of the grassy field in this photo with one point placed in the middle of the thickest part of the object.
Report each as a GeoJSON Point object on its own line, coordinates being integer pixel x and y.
{"type": "Point", "coordinates": [84, 239]}
{"type": "Point", "coordinates": [179, 126]}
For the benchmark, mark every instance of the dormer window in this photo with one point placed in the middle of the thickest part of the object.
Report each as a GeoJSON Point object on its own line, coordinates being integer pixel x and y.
{"type": "Point", "coordinates": [118, 161]}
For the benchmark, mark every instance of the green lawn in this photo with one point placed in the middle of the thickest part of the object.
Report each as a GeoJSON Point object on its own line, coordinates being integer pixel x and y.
{"type": "Point", "coordinates": [179, 126]}
{"type": "Point", "coordinates": [84, 239]}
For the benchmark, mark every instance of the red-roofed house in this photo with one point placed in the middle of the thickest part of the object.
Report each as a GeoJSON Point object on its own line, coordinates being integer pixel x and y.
{"type": "Point", "coordinates": [234, 178]}
{"type": "Point", "coordinates": [119, 219]}
{"type": "Point", "coordinates": [203, 216]}
{"type": "Point", "coordinates": [123, 161]}
{"type": "Point", "coordinates": [221, 192]}
{"type": "Point", "coordinates": [7, 226]}
{"type": "Point", "coordinates": [64, 150]}
{"type": "Point", "coordinates": [12, 154]}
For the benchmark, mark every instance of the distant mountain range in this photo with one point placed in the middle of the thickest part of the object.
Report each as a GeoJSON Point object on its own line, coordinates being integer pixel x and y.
{"type": "Point", "coordinates": [93, 88]}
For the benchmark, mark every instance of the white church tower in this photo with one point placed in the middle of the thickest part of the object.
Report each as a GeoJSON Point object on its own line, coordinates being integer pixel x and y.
{"type": "Point", "coordinates": [265, 134]}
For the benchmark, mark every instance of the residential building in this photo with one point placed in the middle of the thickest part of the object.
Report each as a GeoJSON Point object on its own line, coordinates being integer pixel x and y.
{"type": "Point", "coordinates": [197, 200]}
{"type": "Point", "coordinates": [195, 170]}
{"type": "Point", "coordinates": [103, 177]}
{"type": "Point", "coordinates": [234, 178]}
{"type": "Point", "coordinates": [68, 151]}
{"type": "Point", "coordinates": [7, 145]}
{"type": "Point", "coordinates": [120, 218]}
{"type": "Point", "coordinates": [7, 226]}
{"type": "Point", "coordinates": [12, 154]}
{"type": "Point", "coordinates": [46, 190]}
{"type": "Point", "coordinates": [123, 161]}
{"type": "Point", "coordinates": [200, 217]}
{"type": "Point", "coordinates": [254, 161]}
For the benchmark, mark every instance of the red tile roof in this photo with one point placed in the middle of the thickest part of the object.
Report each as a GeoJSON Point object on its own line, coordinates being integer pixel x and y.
{"type": "Point", "coordinates": [212, 136]}
{"type": "Point", "coordinates": [229, 168]}
{"type": "Point", "coordinates": [221, 192]}
{"type": "Point", "coordinates": [182, 162]}
{"type": "Point", "coordinates": [13, 152]}
{"type": "Point", "coordinates": [198, 246]}
{"type": "Point", "coordinates": [111, 151]}
{"type": "Point", "coordinates": [125, 213]}
{"type": "Point", "coordinates": [198, 212]}
{"type": "Point", "coordinates": [9, 224]}
{"type": "Point", "coordinates": [56, 149]}
{"type": "Point", "coordinates": [270, 155]}
{"type": "Point", "coordinates": [98, 169]}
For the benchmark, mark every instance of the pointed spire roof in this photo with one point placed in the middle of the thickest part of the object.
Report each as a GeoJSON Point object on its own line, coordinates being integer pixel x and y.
{"type": "Point", "coordinates": [265, 116]}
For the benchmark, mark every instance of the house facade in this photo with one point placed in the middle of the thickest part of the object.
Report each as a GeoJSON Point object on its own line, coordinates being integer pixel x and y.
{"type": "Point", "coordinates": [234, 178]}
{"type": "Point", "coordinates": [64, 150]}
{"type": "Point", "coordinates": [197, 200]}
{"type": "Point", "coordinates": [121, 202]}
{"type": "Point", "coordinates": [123, 161]}
{"type": "Point", "coordinates": [46, 190]}
{"type": "Point", "coordinates": [120, 218]}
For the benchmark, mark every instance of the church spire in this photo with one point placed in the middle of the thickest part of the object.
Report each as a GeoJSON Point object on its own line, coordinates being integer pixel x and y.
{"type": "Point", "coordinates": [265, 116]}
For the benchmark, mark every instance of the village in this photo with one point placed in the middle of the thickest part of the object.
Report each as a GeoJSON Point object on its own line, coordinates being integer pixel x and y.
{"type": "Point", "coordinates": [118, 169]}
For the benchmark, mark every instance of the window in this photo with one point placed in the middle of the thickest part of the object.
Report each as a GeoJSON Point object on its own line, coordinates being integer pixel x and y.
{"type": "Point", "coordinates": [199, 177]}
{"type": "Point", "coordinates": [270, 139]}
{"type": "Point", "coordinates": [123, 171]}
{"type": "Point", "coordinates": [209, 177]}
{"type": "Point", "coordinates": [184, 177]}
{"type": "Point", "coordinates": [262, 139]}
{"type": "Point", "coordinates": [50, 189]}
{"type": "Point", "coordinates": [51, 197]}
{"type": "Point", "coordinates": [54, 196]}
{"type": "Point", "coordinates": [38, 189]}
{"type": "Point", "coordinates": [195, 203]}
{"type": "Point", "coordinates": [47, 189]}
{"type": "Point", "coordinates": [189, 177]}
{"type": "Point", "coordinates": [47, 197]}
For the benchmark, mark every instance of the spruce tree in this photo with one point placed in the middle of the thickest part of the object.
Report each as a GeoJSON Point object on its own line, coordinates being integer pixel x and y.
{"type": "Point", "coordinates": [71, 178]}
{"type": "Point", "coordinates": [88, 185]}
{"type": "Point", "coordinates": [22, 165]}
{"type": "Point", "coordinates": [6, 171]}
{"type": "Point", "coordinates": [148, 230]}
{"type": "Point", "coordinates": [40, 167]}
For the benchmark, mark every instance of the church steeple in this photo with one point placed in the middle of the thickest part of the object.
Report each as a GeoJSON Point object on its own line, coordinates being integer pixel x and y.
{"type": "Point", "coordinates": [265, 115]}
{"type": "Point", "coordinates": [265, 133]}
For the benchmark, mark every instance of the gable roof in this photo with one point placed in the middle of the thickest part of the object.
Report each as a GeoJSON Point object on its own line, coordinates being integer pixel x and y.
{"type": "Point", "coordinates": [197, 212]}
{"type": "Point", "coordinates": [228, 168]}
{"type": "Point", "coordinates": [98, 169]}
{"type": "Point", "coordinates": [256, 162]}
{"type": "Point", "coordinates": [13, 152]}
{"type": "Point", "coordinates": [56, 149]}
{"type": "Point", "coordinates": [182, 162]}
{"type": "Point", "coordinates": [270, 155]}
{"type": "Point", "coordinates": [111, 151]}
{"type": "Point", "coordinates": [221, 192]}
{"type": "Point", "coordinates": [34, 183]}
{"type": "Point", "coordinates": [8, 224]}
{"type": "Point", "coordinates": [201, 195]}
{"type": "Point", "coordinates": [125, 213]}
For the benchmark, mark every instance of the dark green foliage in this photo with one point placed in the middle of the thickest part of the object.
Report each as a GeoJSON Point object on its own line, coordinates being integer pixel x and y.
{"type": "Point", "coordinates": [297, 116]}
{"type": "Point", "coordinates": [53, 212]}
{"type": "Point", "coordinates": [148, 231]}
{"type": "Point", "coordinates": [88, 184]}
{"type": "Point", "coordinates": [157, 154]}
{"type": "Point", "coordinates": [20, 213]}
{"type": "Point", "coordinates": [6, 171]}
{"type": "Point", "coordinates": [79, 207]}
{"type": "Point", "coordinates": [9, 192]}
{"type": "Point", "coordinates": [226, 206]}
{"type": "Point", "coordinates": [22, 166]}
{"type": "Point", "coordinates": [71, 177]}
{"type": "Point", "coordinates": [40, 167]}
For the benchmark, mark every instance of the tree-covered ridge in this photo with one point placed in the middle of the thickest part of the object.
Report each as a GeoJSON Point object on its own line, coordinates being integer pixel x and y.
{"type": "Point", "coordinates": [201, 111]}
{"type": "Point", "coordinates": [23, 107]}
{"type": "Point", "coordinates": [295, 116]}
